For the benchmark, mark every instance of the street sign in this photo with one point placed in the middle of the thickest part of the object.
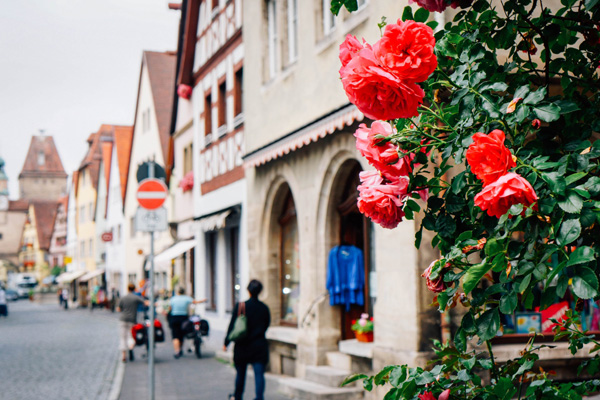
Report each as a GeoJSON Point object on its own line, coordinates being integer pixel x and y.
{"type": "Point", "coordinates": [152, 193]}
{"type": "Point", "coordinates": [67, 260]}
{"type": "Point", "coordinates": [107, 237]}
{"type": "Point", "coordinates": [150, 169]}
{"type": "Point", "coordinates": [151, 220]}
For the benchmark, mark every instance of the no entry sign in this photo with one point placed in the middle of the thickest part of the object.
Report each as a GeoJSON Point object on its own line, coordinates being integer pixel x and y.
{"type": "Point", "coordinates": [151, 193]}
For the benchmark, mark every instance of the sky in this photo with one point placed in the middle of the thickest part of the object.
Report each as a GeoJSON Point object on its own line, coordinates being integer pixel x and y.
{"type": "Point", "coordinates": [68, 66]}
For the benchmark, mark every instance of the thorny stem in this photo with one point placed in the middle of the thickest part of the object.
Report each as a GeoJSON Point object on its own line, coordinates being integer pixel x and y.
{"type": "Point", "coordinates": [494, 368]}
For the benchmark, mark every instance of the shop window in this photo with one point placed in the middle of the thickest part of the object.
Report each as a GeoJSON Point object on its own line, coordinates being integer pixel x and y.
{"type": "Point", "coordinates": [290, 263]}
{"type": "Point", "coordinates": [239, 92]}
{"type": "Point", "coordinates": [211, 270]}
{"type": "Point", "coordinates": [222, 104]}
{"type": "Point", "coordinates": [232, 236]}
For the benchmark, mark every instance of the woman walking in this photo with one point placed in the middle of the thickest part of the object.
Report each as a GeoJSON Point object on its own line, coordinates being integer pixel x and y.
{"type": "Point", "coordinates": [253, 348]}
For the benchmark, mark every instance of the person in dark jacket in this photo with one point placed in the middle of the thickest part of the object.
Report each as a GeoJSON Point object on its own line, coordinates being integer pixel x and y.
{"type": "Point", "coordinates": [253, 348]}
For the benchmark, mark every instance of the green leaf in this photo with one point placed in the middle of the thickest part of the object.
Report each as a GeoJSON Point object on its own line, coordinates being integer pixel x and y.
{"type": "Point", "coordinates": [593, 185]}
{"type": "Point", "coordinates": [585, 283]}
{"type": "Point", "coordinates": [468, 363]}
{"type": "Point", "coordinates": [493, 247]}
{"type": "Point", "coordinates": [589, 4]}
{"type": "Point", "coordinates": [353, 378]}
{"type": "Point", "coordinates": [508, 303]}
{"type": "Point", "coordinates": [574, 177]}
{"type": "Point", "coordinates": [474, 275]}
{"type": "Point", "coordinates": [572, 204]}
{"type": "Point", "coordinates": [398, 376]}
{"type": "Point", "coordinates": [546, 112]}
{"type": "Point", "coordinates": [581, 255]}
{"type": "Point", "coordinates": [382, 376]}
{"type": "Point", "coordinates": [505, 389]}
{"type": "Point", "coordinates": [535, 97]}
{"type": "Point", "coordinates": [445, 225]}
{"type": "Point", "coordinates": [524, 284]}
{"type": "Point", "coordinates": [570, 230]}
{"type": "Point", "coordinates": [407, 14]}
{"type": "Point", "coordinates": [488, 324]}
{"type": "Point", "coordinates": [557, 182]}
{"type": "Point", "coordinates": [421, 15]}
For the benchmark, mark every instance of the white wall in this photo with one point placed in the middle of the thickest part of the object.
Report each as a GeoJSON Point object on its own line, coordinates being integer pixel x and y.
{"type": "Point", "coordinates": [115, 250]}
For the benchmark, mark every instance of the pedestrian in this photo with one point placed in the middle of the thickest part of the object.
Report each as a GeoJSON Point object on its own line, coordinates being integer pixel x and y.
{"type": "Point", "coordinates": [253, 348]}
{"type": "Point", "coordinates": [65, 298]}
{"type": "Point", "coordinates": [3, 305]}
{"type": "Point", "coordinates": [128, 307]}
{"type": "Point", "coordinates": [59, 293]}
{"type": "Point", "coordinates": [179, 306]}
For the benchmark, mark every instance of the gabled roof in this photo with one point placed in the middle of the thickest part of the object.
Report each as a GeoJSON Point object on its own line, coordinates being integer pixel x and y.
{"type": "Point", "coordinates": [106, 159]}
{"type": "Point", "coordinates": [161, 70]}
{"type": "Point", "coordinates": [48, 165]}
{"type": "Point", "coordinates": [45, 213]}
{"type": "Point", "coordinates": [91, 161]}
{"type": "Point", "coordinates": [123, 138]}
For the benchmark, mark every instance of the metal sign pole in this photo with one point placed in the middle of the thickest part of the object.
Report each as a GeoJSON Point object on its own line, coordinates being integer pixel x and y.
{"type": "Point", "coordinates": [151, 288]}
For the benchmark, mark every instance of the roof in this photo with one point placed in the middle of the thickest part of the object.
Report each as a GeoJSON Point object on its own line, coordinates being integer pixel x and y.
{"type": "Point", "coordinates": [91, 161]}
{"type": "Point", "coordinates": [18, 205]}
{"type": "Point", "coordinates": [45, 212]}
{"type": "Point", "coordinates": [123, 138]}
{"type": "Point", "coordinates": [161, 70]}
{"type": "Point", "coordinates": [48, 165]}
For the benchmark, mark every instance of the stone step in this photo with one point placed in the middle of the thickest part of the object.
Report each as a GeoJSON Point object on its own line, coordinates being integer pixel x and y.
{"type": "Point", "coordinates": [339, 360]}
{"type": "Point", "coordinates": [326, 375]}
{"type": "Point", "coordinates": [302, 389]}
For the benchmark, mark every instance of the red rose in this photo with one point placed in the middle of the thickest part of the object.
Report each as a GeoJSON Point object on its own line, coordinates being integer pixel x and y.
{"type": "Point", "coordinates": [350, 47]}
{"type": "Point", "coordinates": [510, 189]}
{"type": "Point", "coordinates": [435, 5]}
{"type": "Point", "coordinates": [406, 49]}
{"type": "Point", "coordinates": [445, 395]}
{"type": "Point", "coordinates": [426, 396]}
{"type": "Point", "coordinates": [536, 123]}
{"type": "Point", "coordinates": [380, 154]}
{"type": "Point", "coordinates": [382, 200]}
{"type": "Point", "coordinates": [437, 285]}
{"type": "Point", "coordinates": [184, 91]}
{"type": "Point", "coordinates": [488, 156]}
{"type": "Point", "coordinates": [378, 93]}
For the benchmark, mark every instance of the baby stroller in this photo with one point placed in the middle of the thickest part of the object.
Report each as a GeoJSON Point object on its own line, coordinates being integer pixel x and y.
{"type": "Point", "coordinates": [194, 329]}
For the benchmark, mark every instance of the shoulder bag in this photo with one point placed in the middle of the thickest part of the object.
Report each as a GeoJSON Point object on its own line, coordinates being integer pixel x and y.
{"type": "Point", "coordinates": [240, 326]}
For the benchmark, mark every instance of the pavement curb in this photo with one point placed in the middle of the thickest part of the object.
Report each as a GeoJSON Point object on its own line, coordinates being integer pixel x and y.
{"type": "Point", "coordinates": [115, 390]}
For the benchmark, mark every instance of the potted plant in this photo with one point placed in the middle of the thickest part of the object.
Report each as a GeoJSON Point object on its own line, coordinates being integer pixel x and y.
{"type": "Point", "coordinates": [363, 328]}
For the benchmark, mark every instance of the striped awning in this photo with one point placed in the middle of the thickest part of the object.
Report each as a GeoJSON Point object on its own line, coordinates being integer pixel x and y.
{"type": "Point", "coordinates": [327, 125]}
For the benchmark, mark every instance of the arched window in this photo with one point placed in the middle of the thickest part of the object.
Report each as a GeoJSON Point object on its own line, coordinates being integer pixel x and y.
{"type": "Point", "coordinates": [290, 262]}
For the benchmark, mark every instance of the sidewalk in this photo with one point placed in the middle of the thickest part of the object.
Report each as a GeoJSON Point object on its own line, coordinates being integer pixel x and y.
{"type": "Point", "coordinates": [188, 377]}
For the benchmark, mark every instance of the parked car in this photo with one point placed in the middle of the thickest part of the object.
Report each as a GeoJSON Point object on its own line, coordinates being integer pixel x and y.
{"type": "Point", "coordinates": [11, 295]}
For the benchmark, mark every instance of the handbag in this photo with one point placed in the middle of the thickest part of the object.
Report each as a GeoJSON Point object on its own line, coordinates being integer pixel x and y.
{"type": "Point", "coordinates": [240, 326]}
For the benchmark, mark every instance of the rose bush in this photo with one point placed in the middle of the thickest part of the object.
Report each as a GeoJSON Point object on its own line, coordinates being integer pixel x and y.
{"type": "Point", "coordinates": [518, 207]}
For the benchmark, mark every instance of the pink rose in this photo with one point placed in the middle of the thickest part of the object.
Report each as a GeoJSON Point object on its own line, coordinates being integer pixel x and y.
{"type": "Point", "coordinates": [382, 200]}
{"type": "Point", "coordinates": [378, 93]}
{"type": "Point", "coordinates": [350, 47]}
{"type": "Point", "coordinates": [381, 154]}
{"type": "Point", "coordinates": [437, 285]}
{"type": "Point", "coordinates": [406, 49]}
{"type": "Point", "coordinates": [426, 396]}
{"type": "Point", "coordinates": [510, 189]}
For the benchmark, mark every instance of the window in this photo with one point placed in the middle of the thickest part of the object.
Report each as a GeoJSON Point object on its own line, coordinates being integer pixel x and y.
{"type": "Point", "coordinates": [215, 4]}
{"type": "Point", "coordinates": [83, 178]}
{"type": "Point", "coordinates": [132, 278]}
{"type": "Point", "coordinates": [91, 207]}
{"type": "Point", "coordinates": [146, 120]}
{"type": "Point", "coordinates": [118, 240]}
{"type": "Point", "coordinates": [292, 31]}
{"type": "Point", "coordinates": [328, 18]}
{"type": "Point", "coordinates": [222, 104]}
{"type": "Point", "coordinates": [91, 250]}
{"type": "Point", "coordinates": [211, 270]}
{"type": "Point", "coordinates": [272, 37]}
{"type": "Point", "coordinates": [207, 115]}
{"type": "Point", "coordinates": [188, 160]}
{"type": "Point", "coordinates": [82, 249]}
{"type": "Point", "coordinates": [132, 227]}
{"type": "Point", "coordinates": [81, 214]}
{"type": "Point", "coordinates": [0, 235]}
{"type": "Point", "coordinates": [232, 236]}
{"type": "Point", "coordinates": [238, 92]}
{"type": "Point", "coordinates": [41, 158]}
{"type": "Point", "coordinates": [290, 263]}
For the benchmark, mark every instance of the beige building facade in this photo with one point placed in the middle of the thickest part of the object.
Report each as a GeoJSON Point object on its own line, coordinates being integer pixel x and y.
{"type": "Point", "coordinates": [302, 171]}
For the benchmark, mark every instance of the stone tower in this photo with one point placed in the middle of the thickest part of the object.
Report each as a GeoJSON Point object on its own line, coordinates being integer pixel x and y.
{"type": "Point", "coordinates": [43, 176]}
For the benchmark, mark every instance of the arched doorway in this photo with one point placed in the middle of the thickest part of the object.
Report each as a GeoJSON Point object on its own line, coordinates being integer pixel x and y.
{"type": "Point", "coordinates": [289, 271]}
{"type": "Point", "coordinates": [353, 230]}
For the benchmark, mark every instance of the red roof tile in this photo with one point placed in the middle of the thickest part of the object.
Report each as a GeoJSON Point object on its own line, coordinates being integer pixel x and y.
{"type": "Point", "coordinates": [48, 165]}
{"type": "Point", "coordinates": [45, 212]}
{"type": "Point", "coordinates": [122, 139]}
{"type": "Point", "coordinates": [91, 161]}
{"type": "Point", "coordinates": [18, 205]}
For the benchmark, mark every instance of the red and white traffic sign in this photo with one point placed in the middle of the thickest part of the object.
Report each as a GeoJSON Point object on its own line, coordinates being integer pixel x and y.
{"type": "Point", "coordinates": [152, 193]}
{"type": "Point", "coordinates": [107, 237]}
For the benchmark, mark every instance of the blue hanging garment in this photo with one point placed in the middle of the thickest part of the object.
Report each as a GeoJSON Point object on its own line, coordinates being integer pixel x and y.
{"type": "Point", "coordinates": [346, 276]}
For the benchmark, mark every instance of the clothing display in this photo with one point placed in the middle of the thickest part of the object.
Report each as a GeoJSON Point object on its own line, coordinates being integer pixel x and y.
{"type": "Point", "coordinates": [346, 276]}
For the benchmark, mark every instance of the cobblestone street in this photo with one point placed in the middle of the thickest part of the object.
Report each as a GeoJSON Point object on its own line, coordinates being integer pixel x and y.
{"type": "Point", "coordinates": [51, 353]}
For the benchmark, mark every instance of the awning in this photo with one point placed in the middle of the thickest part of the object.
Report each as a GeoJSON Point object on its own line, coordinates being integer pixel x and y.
{"type": "Point", "coordinates": [214, 222]}
{"type": "Point", "coordinates": [91, 275]}
{"type": "Point", "coordinates": [67, 277]}
{"type": "Point", "coordinates": [162, 261]}
{"type": "Point", "coordinates": [320, 128]}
